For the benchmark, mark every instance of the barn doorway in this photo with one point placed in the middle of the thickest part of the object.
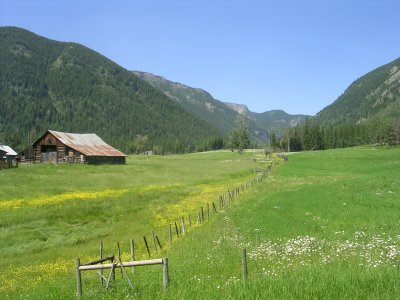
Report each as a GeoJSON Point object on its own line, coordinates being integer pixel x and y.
{"type": "Point", "coordinates": [49, 153]}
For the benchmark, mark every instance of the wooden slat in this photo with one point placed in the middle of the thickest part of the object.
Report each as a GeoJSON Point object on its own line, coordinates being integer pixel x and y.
{"type": "Point", "coordinates": [136, 263]}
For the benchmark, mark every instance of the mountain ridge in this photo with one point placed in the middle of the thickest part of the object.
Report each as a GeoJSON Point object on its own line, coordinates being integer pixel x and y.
{"type": "Point", "coordinates": [222, 115]}
{"type": "Point", "coordinates": [373, 94]}
{"type": "Point", "coordinates": [68, 87]}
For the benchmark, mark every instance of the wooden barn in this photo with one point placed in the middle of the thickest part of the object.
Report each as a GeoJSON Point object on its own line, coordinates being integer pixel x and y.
{"type": "Point", "coordinates": [58, 147]}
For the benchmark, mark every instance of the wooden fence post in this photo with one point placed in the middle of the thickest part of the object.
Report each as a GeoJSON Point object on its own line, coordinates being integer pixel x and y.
{"type": "Point", "coordinates": [165, 273]}
{"type": "Point", "coordinates": [183, 225]}
{"type": "Point", "coordinates": [154, 241]}
{"type": "Point", "coordinates": [158, 242]}
{"type": "Point", "coordinates": [214, 208]}
{"type": "Point", "coordinates": [147, 246]}
{"type": "Point", "coordinates": [170, 233]}
{"type": "Point", "coordinates": [119, 250]}
{"type": "Point", "coordinates": [101, 271]}
{"type": "Point", "coordinates": [133, 253]}
{"type": "Point", "coordinates": [78, 278]}
{"type": "Point", "coordinates": [208, 212]}
{"type": "Point", "coordinates": [189, 221]}
{"type": "Point", "coordinates": [202, 214]}
{"type": "Point", "coordinates": [244, 266]}
{"type": "Point", "coordinates": [176, 229]}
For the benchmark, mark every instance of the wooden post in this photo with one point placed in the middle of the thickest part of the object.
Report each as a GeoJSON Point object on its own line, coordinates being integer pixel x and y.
{"type": "Point", "coordinates": [170, 233]}
{"type": "Point", "coordinates": [208, 212]}
{"type": "Point", "coordinates": [133, 253]}
{"type": "Point", "coordinates": [158, 242]}
{"type": "Point", "coordinates": [147, 246]}
{"type": "Point", "coordinates": [176, 229]}
{"type": "Point", "coordinates": [189, 221]}
{"type": "Point", "coordinates": [198, 218]}
{"type": "Point", "coordinates": [124, 272]}
{"type": "Point", "coordinates": [244, 266]}
{"type": "Point", "coordinates": [78, 278]}
{"type": "Point", "coordinates": [101, 271]}
{"type": "Point", "coordinates": [165, 273]}
{"type": "Point", "coordinates": [183, 225]}
{"type": "Point", "coordinates": [111, 277]}
{"type": "Point", "coordinates": [154, 241]}
{"type": "Point", "coordinates": [119, 250]}
{"type": "Point", "coordinates": [202, 214]}
{"type": "Point", "coordinates": [214, 208]}
{"type": "Point", "coordinates": [112, 273]}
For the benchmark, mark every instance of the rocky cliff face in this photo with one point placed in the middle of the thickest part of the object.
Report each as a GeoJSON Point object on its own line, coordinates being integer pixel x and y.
{"type": "Point", "coordinates": [239, 108]}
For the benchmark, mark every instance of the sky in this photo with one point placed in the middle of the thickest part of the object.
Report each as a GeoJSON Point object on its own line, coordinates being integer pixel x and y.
{"type": "Point", "coordinates": [295, 55]}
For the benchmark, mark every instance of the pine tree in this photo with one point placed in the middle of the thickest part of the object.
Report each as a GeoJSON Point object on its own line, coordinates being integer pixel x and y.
{"type": "Point", "coordinates": [239, 137]}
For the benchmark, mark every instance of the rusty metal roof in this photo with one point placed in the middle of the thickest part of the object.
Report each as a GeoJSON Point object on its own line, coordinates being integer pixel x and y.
{"type": "Point", "coordinates": [88, 144]}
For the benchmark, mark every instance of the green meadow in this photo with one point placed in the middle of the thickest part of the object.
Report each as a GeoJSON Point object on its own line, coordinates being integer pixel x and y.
{"type": "Point", "coordinates": [323, 225]}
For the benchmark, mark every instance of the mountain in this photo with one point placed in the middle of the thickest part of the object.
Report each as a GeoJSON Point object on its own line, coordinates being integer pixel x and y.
{"type": "Point", "coordinates": [45, 84]}
{"type": "Point", "coordinates": [239, 108]}
{"type": "Point", "coordinates": [375, 97]}
{"type": "Point", "coordinates": [195, 100]}
{"type": "Point", "coordinates": [273, 119]}
{"type": "Point", "coordinates": [222, 115]}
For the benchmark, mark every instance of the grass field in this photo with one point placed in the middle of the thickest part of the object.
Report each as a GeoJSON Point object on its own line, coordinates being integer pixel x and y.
{"type": "Point", "coordinates": [322, 225]}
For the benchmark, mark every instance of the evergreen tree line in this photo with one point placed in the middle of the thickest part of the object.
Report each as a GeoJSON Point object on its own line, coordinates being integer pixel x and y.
{"type": "Point", "coordinates": [312, 136]}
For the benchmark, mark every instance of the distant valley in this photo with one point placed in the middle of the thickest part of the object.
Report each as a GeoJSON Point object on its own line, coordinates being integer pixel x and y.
{"type": "Point", "coordinates": [223, 115]}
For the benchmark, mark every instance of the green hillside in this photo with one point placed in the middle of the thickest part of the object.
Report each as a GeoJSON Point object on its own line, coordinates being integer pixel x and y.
{"type": "Point", "coordinates": [277, 119]}
{"type": "Point", "coordinates": [196, 100]}
{"type": "Point", "coordinates": [46, 84]}
{"type": "Point", "coordinates": [373, 97]}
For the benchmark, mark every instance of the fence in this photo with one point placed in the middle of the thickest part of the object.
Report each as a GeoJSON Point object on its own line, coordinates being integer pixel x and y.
{"type": "Point", "coordinates": [178, 228]}
{"type": "Point", "coordinates": [98, 265]}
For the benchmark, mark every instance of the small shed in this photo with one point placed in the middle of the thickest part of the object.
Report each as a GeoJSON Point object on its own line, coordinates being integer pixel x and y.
{"type": "Point", "coordinates": [7, 157]}
{"type": "Point", "coordinates": [57, 147]}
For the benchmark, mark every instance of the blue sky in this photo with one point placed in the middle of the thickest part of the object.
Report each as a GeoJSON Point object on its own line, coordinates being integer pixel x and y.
{"type": "Point", "coordinates": [298, 56]}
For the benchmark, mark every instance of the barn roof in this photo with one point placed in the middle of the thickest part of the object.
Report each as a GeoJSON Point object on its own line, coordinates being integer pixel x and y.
{"type": "Point", "coordinates": [88, 144]}
{"type": "Point", "coordinates": [8, 150]}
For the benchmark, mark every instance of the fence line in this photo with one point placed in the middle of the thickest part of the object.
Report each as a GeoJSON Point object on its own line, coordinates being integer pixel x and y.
{"type": "Point", "coordinates": [225, 200]}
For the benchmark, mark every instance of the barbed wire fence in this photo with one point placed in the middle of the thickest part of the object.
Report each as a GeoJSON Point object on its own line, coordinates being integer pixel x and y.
{"type": "Point", "coordinates": [193, 270]}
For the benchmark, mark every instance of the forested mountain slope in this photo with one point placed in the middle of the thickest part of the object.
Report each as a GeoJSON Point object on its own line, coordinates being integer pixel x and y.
{"type": "Point", "coordinates": [45, 84]}
{"type": "Point", "coordinates": [371, 98]}
{"type": "Point", "coordinates": [196, 100]}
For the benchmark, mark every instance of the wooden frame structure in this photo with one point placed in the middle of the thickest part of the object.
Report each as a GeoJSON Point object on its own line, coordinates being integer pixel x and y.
{"type": "Point", "coordinates": [98, 265]}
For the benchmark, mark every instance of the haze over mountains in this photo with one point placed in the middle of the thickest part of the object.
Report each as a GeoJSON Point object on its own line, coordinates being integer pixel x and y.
{"type": "Point", "coordinates": [45, 84]}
